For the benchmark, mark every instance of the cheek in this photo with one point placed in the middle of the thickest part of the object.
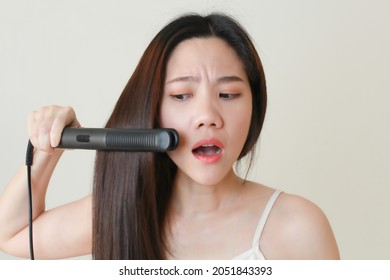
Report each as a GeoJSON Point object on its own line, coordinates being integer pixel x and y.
{"type": "Point", "coordinates": [167, 117]}
{"type": "Point", "coordinates": [173, 116]}
{"type": "Point", "coordinates": [240, 116]}
{"type": "Point", "coordinates": [172, 119]}
{"type": "Point", "coordinates": [240, 122]}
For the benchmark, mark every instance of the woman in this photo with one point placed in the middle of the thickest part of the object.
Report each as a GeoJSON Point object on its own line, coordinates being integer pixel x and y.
{"type": "Point", "coordinates": [203, 77]}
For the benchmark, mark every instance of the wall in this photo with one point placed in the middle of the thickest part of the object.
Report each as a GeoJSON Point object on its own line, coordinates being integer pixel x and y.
{"type": "Point", "coordinates": [327, 63]}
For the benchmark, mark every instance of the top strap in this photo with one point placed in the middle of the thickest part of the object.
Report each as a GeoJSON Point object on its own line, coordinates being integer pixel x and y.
{"type": "Point", "coordinates": [263, 219]}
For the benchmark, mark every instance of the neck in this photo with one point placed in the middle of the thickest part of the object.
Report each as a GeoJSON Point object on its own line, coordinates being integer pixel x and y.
{"type": "Point", "coordinates": [191, 198]}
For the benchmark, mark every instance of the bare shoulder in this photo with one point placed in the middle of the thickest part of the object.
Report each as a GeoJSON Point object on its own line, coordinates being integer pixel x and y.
{"type": "Point", "coordinates": [298, 229]}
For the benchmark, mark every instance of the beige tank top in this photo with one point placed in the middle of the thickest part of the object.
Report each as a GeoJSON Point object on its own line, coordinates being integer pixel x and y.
{"type": "Point", "coordinates": [255, 253]}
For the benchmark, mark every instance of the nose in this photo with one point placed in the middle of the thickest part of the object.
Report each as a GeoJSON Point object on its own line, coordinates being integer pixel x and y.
{"type": "Point", "coordinates": [207, 114]}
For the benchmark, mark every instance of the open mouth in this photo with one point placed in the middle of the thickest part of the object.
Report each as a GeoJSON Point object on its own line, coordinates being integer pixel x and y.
{"type": "Point", "coordinates": [207, 150]}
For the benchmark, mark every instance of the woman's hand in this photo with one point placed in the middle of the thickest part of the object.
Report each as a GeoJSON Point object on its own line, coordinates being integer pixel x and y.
{"type": "Point", "coordinates": [46, 124]}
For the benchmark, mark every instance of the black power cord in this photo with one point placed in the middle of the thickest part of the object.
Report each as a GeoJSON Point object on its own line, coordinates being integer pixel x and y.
{"type": "Point", "coordinates": [29, 162]}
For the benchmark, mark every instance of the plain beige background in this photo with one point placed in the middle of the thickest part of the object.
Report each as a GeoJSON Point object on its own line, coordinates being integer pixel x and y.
{"type": "Point", "coordinates": [327, 63]}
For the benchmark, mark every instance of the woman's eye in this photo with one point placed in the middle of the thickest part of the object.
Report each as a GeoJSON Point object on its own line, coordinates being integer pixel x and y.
{"type": "Point", "coordinates": [181, 97]}
{"type": "Point", "coordinates": [228, 96]}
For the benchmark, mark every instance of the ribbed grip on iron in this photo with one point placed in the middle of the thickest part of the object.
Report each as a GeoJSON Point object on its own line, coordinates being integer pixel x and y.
{"type": "Point", "coordinates": [142, 141]}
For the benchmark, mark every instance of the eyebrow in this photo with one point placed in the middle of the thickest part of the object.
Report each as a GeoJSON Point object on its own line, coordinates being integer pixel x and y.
{"type": "Point", "coordinates": [221, 80]}
{"type": "Point", "coordinates": [227, 79]}
{"type": "Point", "coordinates": [183, 79]}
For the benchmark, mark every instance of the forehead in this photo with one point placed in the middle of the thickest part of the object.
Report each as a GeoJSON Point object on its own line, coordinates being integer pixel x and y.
{"type": "Point", "coordinates": [211, 54]}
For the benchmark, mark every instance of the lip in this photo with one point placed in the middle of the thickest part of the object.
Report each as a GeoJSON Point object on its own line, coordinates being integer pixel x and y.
{"type": "Point", "coordinates": [208, 158]}
{"type": "Point", "coordinates": [210, 141]}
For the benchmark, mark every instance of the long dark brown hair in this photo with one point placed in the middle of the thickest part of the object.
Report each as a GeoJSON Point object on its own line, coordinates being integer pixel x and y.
{"type": "Point", "coordinates": [132, 191]}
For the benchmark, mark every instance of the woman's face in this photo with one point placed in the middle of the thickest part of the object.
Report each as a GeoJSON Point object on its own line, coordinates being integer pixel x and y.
{"type": "Point", "coordinates": [207, 99]}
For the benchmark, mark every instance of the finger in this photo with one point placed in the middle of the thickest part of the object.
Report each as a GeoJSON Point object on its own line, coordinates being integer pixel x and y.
{"type": "Point", "coordinates": [35, 130]}
{"type": "Point", "coordinates": [39, 126]}
{"type": "Point", "coordinates": [43, 138]}
{"type": "Point", "coordinates": [66, 117]}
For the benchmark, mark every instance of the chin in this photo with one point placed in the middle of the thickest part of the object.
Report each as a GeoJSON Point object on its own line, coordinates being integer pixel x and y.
{"type": "Point", "coordinates": [204, 175]}
{"type": "Point", "coordinates": [208, 179]}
